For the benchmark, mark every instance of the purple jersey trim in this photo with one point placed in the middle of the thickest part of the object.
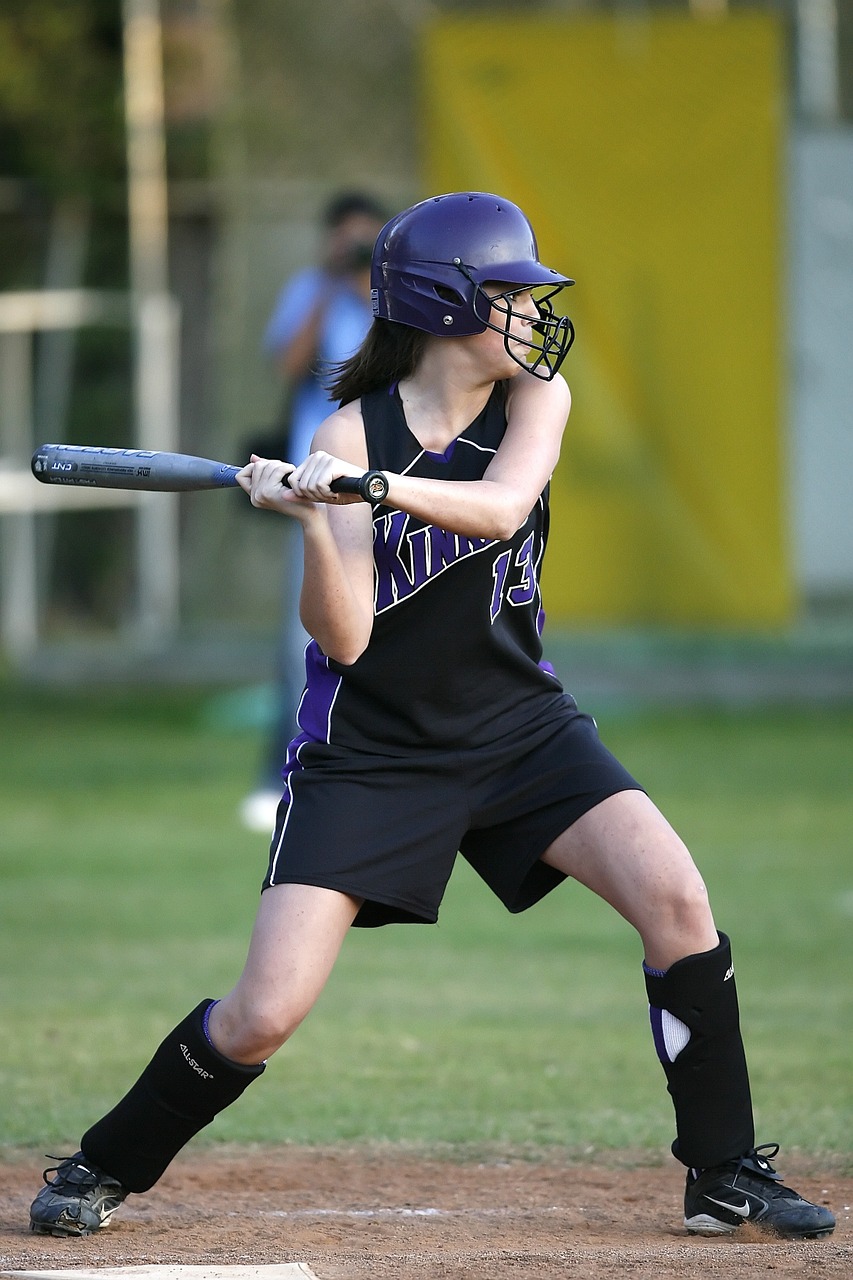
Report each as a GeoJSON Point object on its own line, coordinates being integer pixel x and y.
{"type": "Point", "coordinates": [544, 665]}
{"type": "Point", "coordinates": [442, 457]}
{"type": "Point", "coordinates": [314, 716]}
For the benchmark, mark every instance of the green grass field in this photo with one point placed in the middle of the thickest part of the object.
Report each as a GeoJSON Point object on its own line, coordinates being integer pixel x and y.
{"type": "Point", "coordinates": [128, 890]}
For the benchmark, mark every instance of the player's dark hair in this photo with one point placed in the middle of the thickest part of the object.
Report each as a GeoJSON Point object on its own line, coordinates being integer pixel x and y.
{"type": "Point", "coordinates": [389, 353]}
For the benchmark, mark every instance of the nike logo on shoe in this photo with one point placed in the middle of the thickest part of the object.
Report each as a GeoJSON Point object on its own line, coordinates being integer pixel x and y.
{"type": "Point", "coordinates": [743, 1211]}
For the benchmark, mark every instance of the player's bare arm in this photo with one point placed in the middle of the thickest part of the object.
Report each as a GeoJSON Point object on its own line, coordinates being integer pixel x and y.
{"type": "Point", "coordinates": [337, 594]}
{"type": "Point", "coordinates": [336, 605]}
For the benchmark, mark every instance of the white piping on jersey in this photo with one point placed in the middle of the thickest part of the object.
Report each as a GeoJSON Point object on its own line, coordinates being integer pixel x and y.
{"type": "Point", "coordinates": [298, 760]}
{"type": "Point", "coordinates": [332, 702]}
{"type": "Point", "coordinates": [458, 440]}
{"type": "Point", "coordinates": [281, 838]}
{"type": "Point", "coordinates": [304, 692]}
{"type": "Point", "coordinates": [540, 558]}
{"type": "Point", "coordinates": [286, 821]}
{"type": "Point", "coordinates": [473, 443]}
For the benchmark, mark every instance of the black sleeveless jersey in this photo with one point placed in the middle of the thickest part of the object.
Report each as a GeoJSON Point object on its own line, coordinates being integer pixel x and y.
{"type": "Point", "coordinates": [454, 658]}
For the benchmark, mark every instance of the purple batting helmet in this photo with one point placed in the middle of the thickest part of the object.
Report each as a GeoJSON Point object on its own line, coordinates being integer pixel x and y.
{"type": "Point", "coordinates": [430, 263]}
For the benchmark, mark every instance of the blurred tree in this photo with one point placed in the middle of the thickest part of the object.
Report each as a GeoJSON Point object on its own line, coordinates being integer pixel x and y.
{"type": "Point", "coordinates": [62, 157]}
{"type": "Point", "coordinates": [61, 114]}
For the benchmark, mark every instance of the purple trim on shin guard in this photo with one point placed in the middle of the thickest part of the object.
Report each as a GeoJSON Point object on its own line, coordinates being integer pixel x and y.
{"type": "Point", "coordinates": [205, 1022]}
{"type": "Point", "coordinates": [670, 1035]}
{"type": "Point", "coordinates": [656, 1020]}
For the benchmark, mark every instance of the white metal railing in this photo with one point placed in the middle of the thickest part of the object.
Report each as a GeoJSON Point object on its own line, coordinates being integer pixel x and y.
{"type": "Point", "coordinates": [154, 321]}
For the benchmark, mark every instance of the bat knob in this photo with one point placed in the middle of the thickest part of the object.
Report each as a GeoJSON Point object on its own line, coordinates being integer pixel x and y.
{"type": "Point", "coordinates": [373, 487]}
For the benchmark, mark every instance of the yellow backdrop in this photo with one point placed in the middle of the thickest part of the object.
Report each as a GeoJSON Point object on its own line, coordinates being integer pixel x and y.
{"type": "Point", "coordinates": [647, 153]}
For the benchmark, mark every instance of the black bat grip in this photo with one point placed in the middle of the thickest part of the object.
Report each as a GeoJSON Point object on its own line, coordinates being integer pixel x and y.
{"type": "Point", "coordinates": [371, 487]}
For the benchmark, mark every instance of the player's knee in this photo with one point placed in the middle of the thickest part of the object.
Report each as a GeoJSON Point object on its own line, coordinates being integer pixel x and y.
{"type": "Point", "coordinates": [683, 914]}
{"type": "Point", "coordinates": [253, 1029]}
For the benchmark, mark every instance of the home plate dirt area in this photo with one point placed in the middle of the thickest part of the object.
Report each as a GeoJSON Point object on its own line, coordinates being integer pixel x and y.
{"type": "Point", "coordinates": [377, 1213]}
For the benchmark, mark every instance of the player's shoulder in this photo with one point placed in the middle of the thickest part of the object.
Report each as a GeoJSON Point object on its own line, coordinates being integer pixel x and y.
{"type": "Point", "coordinates": [342, 433]}
{"type": "Point", "coordinates": [530, 389]}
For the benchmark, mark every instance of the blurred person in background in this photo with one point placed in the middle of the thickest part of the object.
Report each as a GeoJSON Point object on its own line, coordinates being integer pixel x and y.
{"type": "Point", "coordinates": [320, 318]}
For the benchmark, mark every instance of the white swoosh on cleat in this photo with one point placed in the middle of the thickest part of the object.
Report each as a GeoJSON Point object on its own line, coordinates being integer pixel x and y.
{"type": "Point", "coordinates": [741, 1210]}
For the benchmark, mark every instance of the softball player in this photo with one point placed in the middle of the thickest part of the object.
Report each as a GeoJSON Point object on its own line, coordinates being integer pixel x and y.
{"type": "Point", "coordinates": [430, 725]}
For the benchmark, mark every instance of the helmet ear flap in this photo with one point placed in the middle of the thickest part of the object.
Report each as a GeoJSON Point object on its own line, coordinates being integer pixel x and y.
{"type": "Point", "coordinates": [422, 294]}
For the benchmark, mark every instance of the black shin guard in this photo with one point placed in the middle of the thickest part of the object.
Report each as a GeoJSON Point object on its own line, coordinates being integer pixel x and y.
{"type": "Point", "coordinates": [184, 1086]}
{"type": "Point", "coordinates": [707, 1078]}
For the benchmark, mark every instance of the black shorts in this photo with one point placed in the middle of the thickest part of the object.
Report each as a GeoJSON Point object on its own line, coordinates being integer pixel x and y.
{"type": "Point", "coordinates": [387, 828]}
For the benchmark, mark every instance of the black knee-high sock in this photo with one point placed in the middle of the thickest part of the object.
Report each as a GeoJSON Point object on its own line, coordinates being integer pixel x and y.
{"type": "Point", "coordinates": [184, 1086]}
{"type": "Point", "coordinates": [703, 1058]}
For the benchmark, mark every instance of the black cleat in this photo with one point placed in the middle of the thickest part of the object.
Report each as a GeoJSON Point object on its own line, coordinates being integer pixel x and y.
{"type": "Point", "coordinates": [718, 1201]}
{"type": "Point", "coordinates": [79, 1200]}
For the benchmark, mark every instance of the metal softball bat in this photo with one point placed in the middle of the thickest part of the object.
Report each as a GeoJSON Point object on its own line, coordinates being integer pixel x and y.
{"type": "Point", "coordinates": [159, 471]}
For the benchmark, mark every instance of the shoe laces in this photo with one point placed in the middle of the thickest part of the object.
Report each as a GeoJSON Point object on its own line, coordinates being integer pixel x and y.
{"type": "Point", "coordinates": [754, 1162]}
{"type": "Point", "coordinates": [85, 1177]}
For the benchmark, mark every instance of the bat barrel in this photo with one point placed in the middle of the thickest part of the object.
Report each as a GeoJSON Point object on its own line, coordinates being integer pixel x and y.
{"type": "Point", "coordinates": [162, 472]}
{"type": "Point", "coordinates": [155, 470]}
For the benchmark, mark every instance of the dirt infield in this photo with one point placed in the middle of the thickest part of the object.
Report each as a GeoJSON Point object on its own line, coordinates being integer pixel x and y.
{"type": "Point", "coordinates": [380, 1213]}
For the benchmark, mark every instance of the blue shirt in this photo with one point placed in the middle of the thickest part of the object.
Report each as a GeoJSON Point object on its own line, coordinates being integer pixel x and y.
{"type": "Point", "coordinates": [347, 316]}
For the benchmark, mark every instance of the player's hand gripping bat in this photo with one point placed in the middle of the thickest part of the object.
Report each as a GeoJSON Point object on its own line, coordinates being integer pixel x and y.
{"type": "Point", "coordinates": [161, 472]}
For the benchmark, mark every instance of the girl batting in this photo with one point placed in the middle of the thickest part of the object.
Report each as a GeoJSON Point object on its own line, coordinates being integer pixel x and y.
{"type": "Point", "coordinates": [430, 725]}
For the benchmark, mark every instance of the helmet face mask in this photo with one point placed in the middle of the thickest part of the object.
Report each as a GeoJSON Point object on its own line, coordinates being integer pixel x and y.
{"type": "Point", "coordinates": [432, 261]}
{"type": "Point", "coordinates": [551, 335]}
